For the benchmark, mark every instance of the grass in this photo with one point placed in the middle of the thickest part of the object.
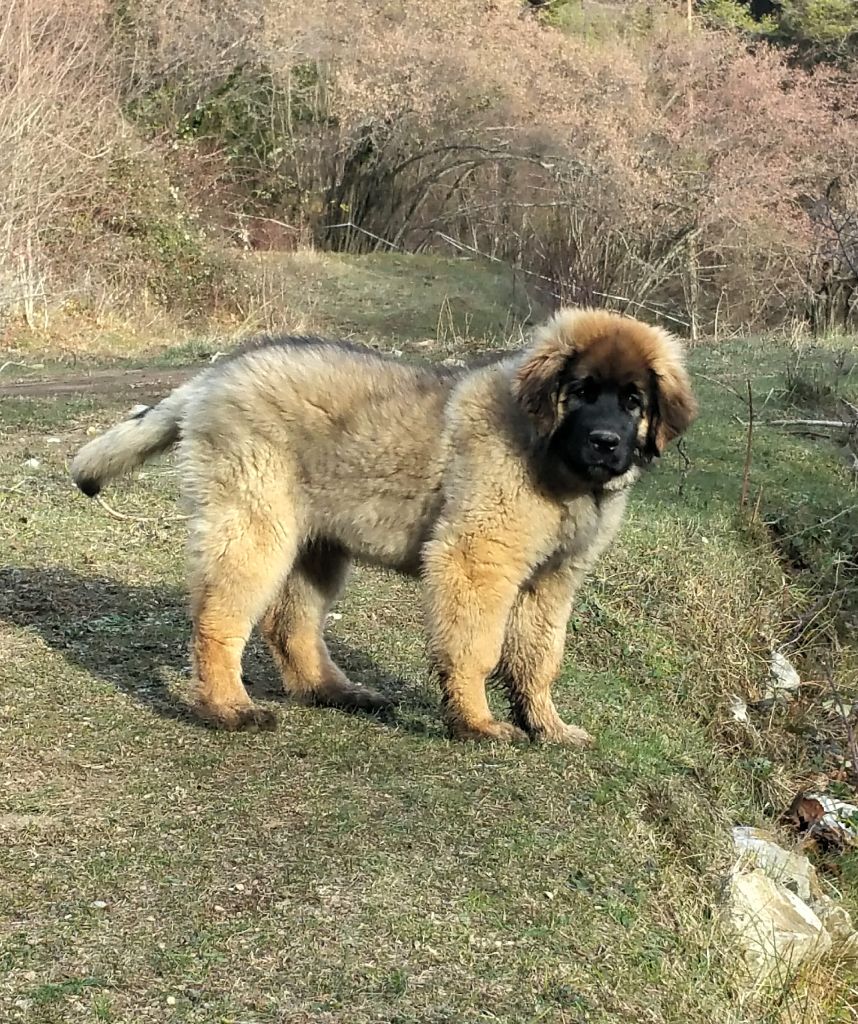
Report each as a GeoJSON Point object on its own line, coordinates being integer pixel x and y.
{"type": "Point", "coordinates": [357, 870]}
{"type": "Point", "coordinates": [421, 303]}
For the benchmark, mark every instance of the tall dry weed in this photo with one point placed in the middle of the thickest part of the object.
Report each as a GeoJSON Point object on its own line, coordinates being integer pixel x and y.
{"type": "Point", "coordinates": [58, 126]}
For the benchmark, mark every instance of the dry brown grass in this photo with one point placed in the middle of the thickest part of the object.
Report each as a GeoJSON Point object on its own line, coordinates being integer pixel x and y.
{"type": "Point", "coordinates": [59, 124]}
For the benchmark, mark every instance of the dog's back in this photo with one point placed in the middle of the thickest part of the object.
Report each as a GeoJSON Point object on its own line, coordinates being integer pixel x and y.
{"type": "Point", "coordinates": [357, 439]}
{"type": "Point", "coordinates": [353, 440]}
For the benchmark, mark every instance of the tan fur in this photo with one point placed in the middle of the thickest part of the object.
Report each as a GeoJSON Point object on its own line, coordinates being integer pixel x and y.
{"type": "Point", "coordinates": [297, 457]}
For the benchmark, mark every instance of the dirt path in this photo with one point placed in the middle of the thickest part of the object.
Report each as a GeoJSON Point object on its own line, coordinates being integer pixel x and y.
{"type": "Point", "coordinates": [148, 382]}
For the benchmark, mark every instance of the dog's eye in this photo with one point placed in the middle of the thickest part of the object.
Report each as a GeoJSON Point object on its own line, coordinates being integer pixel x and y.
{"type": "Point", "coordinates": [632, 401]}
{"type": "Point", "coordinates": [584, 389]}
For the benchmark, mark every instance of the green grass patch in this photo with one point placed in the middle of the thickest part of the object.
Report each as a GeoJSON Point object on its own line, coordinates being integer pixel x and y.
{"type": "Point", "coordinates": [350, 869]}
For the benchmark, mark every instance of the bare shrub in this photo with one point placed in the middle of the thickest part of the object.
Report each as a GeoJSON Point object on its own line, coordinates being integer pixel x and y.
{"type": "Point", "coordinates": [833, 277]}
{"type": "Point", "coordinates": [657, 168]}
{"type": "Point", "coordinates": [651, 167]}
{"type": "Point", "coordinates": [87, 212]}
{"type": "Point", "coordinates": [58, 123]}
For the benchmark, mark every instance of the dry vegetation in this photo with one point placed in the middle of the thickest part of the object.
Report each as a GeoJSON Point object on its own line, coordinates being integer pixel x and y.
{"type": "Point", "coordinates": [142, 145]}
{"type": "Point", "coordinates": [364, 871]}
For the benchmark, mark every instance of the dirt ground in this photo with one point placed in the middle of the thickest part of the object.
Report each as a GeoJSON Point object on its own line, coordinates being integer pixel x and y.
{"type": "Point", "coordinates": [146, 382]}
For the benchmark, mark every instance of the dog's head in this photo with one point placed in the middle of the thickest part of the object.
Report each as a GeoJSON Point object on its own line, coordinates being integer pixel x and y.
{"type": "Point", "coordinates": [604, 392]}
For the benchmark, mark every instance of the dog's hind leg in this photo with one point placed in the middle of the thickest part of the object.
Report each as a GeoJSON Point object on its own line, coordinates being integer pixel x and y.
{"type": "Point", "coordinates": [238, 562]}
{"type": "Point", "coordinates": [293, 628]}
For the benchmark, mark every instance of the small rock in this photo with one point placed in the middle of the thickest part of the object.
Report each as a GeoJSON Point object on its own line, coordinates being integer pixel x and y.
{"type": "Point", "coordinates": [757, 849]}
{"type": "Point", "coordinates": [774, 926]}
{"type": "Point", "coordinates": [738, 709]}
{"type": "Point", "coordinates": [835, 920]}
{"type": "Point", "coordinates": [171, 1000]}
{"type": "Point", "coordinates": [778, 909]}
{"type": "Point", "coordinates": [98, 904]}
{"type": "Point", "coordinates": [32, 463]}
{"type": "Point", "coordinates": [783, 678]}
{"type": "Point", "coordinates": [53, 440]}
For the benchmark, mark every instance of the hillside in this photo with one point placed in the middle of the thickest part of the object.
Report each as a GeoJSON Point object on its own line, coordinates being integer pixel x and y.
{"type": "Point", "coordinates": [177, 177]}
{"type": "Point", "coordinates": [361, 870]}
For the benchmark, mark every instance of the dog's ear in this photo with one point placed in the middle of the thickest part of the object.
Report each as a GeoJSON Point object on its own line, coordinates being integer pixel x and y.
{"type": "Point", "coordinates": [673, 406]}
{"type": "Point", "coordinates": [536, 386]}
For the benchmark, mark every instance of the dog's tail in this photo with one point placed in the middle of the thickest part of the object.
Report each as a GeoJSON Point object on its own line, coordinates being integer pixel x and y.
{"type": "Point", "coordinates": [146, 432]}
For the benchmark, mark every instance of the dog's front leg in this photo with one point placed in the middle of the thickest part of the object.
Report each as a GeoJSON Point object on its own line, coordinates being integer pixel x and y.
{"type": "Point", "coordinates": [471, 583]}
{"type": "Point", "coordinates": [533, 650]}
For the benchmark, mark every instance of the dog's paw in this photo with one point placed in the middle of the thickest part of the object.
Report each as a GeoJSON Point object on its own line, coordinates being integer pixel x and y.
{"type": "Point", "coordinates": [489, 730]}
{"type": "Point", "coordinates": [244, 718]}
{"type": "Point", "coordinates": [351, 697]}
{"type": "Point", "coordinates": [566, 735]}
{"type": "Point", "coordinates": [365, 699]}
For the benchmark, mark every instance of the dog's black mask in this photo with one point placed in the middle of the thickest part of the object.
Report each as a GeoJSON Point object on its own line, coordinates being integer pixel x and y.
{"type": "Point", "coordinates": [597, 437]}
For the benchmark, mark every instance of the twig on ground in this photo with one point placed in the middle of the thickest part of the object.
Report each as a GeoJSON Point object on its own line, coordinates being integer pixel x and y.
{"type": "Point", "coordinates": [746, 471]}
{"type": "Point", "coordinates": [123, 517]}
{"type": "Point", "coordinates": [840, 424]}
{"type": "Point", "coordinates": [826, 424]}
{"type": "Point", "coordinates": [851, 740]}
{"type": "Point", "coordinates": [26, 366]}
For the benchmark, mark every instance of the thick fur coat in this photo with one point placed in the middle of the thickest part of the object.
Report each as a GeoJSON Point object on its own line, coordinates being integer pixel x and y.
{"type": "Point", "coordinates": [499, 486]}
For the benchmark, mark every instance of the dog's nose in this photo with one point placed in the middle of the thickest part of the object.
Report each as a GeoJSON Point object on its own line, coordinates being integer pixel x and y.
{"type": "Point", "coordinates": [604, 440]}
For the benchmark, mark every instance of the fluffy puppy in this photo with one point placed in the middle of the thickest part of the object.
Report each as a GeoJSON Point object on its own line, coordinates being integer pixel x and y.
{"type": "Point", "coordinates": [499, 486]}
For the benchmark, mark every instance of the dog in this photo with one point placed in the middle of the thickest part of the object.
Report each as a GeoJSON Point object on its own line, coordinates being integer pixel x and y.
{"type": "Point", "coordinates": [499, 486]}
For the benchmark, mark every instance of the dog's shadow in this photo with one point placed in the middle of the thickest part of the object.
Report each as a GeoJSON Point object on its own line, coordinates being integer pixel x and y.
{"type": "Point", "coordinates": [135, 637]}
